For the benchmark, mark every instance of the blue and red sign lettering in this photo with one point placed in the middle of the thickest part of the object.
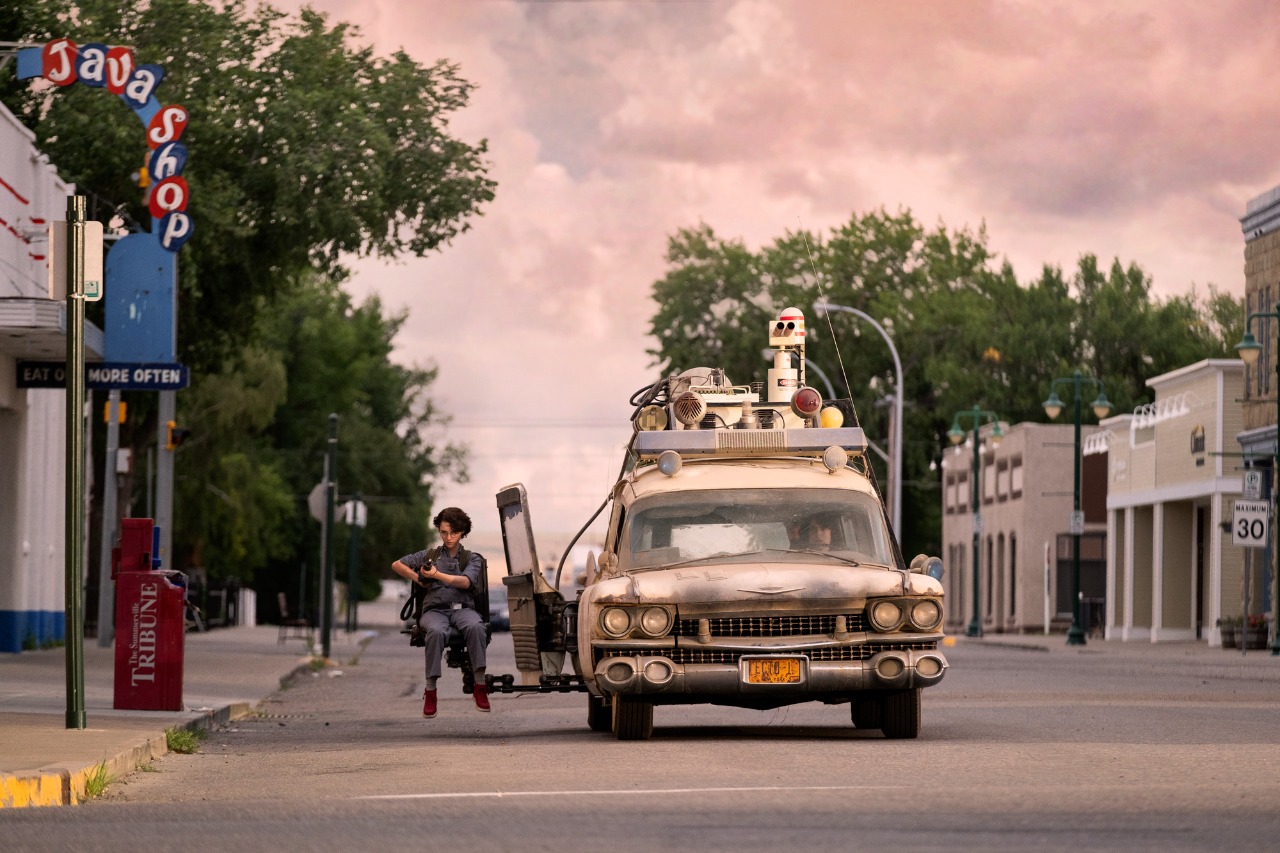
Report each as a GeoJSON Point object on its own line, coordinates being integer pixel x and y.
{"type": "Point", "coordinates": [101, 66]}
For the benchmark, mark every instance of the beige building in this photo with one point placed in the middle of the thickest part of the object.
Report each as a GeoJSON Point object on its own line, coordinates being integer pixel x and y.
{"type": "Point", "coordinates": [1173, 473]}
{"type": "Point", "coordinates": [1025, 504]}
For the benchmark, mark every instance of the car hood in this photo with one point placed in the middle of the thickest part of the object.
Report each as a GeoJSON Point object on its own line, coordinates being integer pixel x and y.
{"type": "Point", "coordinates": [760, 581]}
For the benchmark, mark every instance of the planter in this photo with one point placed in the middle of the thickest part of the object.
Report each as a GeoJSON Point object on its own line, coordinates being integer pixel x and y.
{"type": "Point", "coordinates": [1230, 636]}
{"type": "Point", "coordinates": [1255, 638]}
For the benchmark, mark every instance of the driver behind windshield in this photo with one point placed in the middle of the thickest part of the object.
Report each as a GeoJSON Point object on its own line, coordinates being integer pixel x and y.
{"type": "Point", "coordinates": [813, 534]}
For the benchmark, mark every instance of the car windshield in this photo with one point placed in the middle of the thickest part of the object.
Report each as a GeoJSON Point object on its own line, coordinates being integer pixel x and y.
{"type": "Point", "coordinates": [781, 525]}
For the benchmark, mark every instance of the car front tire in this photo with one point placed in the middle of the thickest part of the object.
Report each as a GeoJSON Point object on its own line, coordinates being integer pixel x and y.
{"type": "Point", "coordinates": [900, 714]}
{"type": "Point", "coordinates": [632, 719]}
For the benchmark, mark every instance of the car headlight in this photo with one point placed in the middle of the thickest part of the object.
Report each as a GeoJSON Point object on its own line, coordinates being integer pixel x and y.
{"type": "Point", "coordinates": [655, 621]}
{"type": "Point", "coordinates": [616, 621]}
{"type": "Point", "coordinates": [925, 615]}
{"type": "Point", "coordinates": [885, 615]}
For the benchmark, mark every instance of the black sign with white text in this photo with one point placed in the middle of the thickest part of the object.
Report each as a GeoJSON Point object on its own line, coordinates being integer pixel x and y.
{"type": "Point", "coordinates": [108, 375]}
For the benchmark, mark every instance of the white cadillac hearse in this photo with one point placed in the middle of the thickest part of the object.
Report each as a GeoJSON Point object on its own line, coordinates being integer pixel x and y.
{"type": "Point", "coordinates": [748, 561]}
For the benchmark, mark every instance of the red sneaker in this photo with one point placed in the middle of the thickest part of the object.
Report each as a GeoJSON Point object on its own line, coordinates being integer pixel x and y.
{"type": "Point", "coordinates": [481, 695]}
{"type": "Point", "coordinates": [428, 703]}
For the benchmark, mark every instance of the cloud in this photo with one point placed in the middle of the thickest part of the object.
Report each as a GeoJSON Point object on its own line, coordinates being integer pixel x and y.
{"type": "Point", "coordinates": [1135, 129]}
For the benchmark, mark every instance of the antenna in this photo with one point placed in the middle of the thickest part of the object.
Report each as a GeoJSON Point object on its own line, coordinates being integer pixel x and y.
{"type": "Point", "coordinates": [831, 328]}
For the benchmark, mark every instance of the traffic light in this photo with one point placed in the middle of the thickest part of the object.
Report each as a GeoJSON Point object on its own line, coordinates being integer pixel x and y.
{"type": "Point", "coordinates": [175, 435]}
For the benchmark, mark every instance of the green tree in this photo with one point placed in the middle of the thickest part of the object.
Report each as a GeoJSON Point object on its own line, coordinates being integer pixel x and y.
{"type": "Point", "coordinates": [967, 331]}
{"type": "Point", "coordinates": [260, 429]}
{"type": "Point", "coordinates": [304, 148]}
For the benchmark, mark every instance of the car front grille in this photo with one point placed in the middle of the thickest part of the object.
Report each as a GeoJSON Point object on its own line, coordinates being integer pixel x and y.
{"type": "Point", "coordinates": [772, 626]}
{"type": "Point", "coordinates": [693, 655]}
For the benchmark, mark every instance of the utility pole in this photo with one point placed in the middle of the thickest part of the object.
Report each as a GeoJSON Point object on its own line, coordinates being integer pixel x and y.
{"type": "Point", "coordinates": [74, 539]}
{"type": "Point", "coordinates": [326, 555]}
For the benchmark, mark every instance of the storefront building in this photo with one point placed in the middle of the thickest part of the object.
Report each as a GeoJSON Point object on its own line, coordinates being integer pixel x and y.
{"type": "Point", "coordinates": [1173, 473]}
{"type": "Point", "coordinates": [32, 420]}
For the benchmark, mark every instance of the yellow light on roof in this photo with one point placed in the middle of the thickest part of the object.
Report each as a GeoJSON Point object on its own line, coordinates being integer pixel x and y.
{"type": "Point", "coordinates": [831, 418]}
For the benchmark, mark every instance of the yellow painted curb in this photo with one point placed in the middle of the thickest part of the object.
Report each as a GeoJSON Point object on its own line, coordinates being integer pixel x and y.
{"type": "Point", "coordinates": [43, 789]}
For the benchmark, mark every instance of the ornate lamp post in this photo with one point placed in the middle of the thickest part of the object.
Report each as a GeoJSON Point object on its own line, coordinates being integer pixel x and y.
{"type": "Point", "coordinates": [1053, 407]}
{"type": "Point", "coordinates": [956, 434]}
{"type": "Point", "coordinates": [1249, 350]}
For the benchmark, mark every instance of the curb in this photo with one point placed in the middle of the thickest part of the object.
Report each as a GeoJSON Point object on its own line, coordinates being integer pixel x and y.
{"type": "Point", "coordinates": [59, 786]}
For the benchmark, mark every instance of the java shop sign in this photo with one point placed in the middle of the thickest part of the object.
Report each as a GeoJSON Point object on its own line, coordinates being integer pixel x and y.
{"type": "Point", "coordinates": [101, 66]}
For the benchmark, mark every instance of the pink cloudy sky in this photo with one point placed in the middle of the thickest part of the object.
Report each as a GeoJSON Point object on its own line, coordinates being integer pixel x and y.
{"type": "Point", "coordinates": [1136, 130]}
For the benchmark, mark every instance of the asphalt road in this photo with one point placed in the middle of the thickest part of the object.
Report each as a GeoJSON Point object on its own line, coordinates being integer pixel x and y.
{"type": "Point", "coordinates": [1020, 750]}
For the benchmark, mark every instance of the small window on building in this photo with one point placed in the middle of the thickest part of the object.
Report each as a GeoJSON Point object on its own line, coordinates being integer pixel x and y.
{"type": "Point", "coordinates": [988, 483]}
{"type": "Point", "coordinates": [1197, 440]}
{"type": "Point", "coordinates": [1013, 574]}
{"type": "Point", "coordinates": [1015, 478]}
{"type": "Point", "coordinates": [1002, 480]}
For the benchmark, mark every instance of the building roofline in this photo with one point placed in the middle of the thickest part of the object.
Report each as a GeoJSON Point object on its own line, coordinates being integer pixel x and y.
{"type": "Point", "coordinates": [1220, 364]}
{"type": "Point", "coordinates": [1262, 215]}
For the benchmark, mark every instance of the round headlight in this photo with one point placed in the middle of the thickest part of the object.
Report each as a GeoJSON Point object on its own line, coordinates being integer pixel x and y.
{"type": "Point", "coordinates": [885, 616]}
{"type": "Point", "coordinates": [925, 615]}
{"type": "Point", "coordinates": [657, 671]}
{"type": "Point", "coordinates": [655, 621]}
{"type": "Point", "coordinates": [619, 673]}
{"type": "Point", "coordinates": [928, 667]}
{"type": "Point", "coordinates": [890, 667]}
{"type": "Point", "coordinates": [615, 621]}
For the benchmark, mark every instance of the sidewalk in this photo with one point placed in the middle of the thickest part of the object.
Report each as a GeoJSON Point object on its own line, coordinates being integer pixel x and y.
{"type": "Point", "coordinates": [1192, 658]}
{"type": "Point", "coordinates": [227, 672]}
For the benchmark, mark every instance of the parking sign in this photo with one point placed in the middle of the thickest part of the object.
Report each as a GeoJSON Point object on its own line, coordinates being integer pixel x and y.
{"type": "Point", "coordinates": [1252, 485]}
{"type": "Point", "coordinates": [1249, 525]}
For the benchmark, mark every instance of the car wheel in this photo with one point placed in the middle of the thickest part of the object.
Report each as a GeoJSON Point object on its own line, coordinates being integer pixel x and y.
{"type": "Point", "coordinates": [599, 714]}
{"type": "Point", "coordinates": [632, 719]}
{"type": "Point", "coordinates": [865, 712]}
{"type": "Point", "coordinates": [900, 714]}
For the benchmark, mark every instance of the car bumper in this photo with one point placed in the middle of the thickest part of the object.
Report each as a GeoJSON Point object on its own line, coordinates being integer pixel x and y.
{"type": "Point", "coordinates": [653, 675]}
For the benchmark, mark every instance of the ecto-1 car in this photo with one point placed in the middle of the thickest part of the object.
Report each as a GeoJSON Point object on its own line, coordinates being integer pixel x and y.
{"type": "Point", "coordinates": [748, 561]}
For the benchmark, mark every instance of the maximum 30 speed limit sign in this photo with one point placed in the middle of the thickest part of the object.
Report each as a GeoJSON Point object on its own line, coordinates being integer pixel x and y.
{"type": "Point", "coordinates": [1249, 525]}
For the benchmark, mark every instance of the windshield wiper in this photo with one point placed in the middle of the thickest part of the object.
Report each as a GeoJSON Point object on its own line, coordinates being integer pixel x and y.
{"type": "Point", "coordinates": [847, 560]}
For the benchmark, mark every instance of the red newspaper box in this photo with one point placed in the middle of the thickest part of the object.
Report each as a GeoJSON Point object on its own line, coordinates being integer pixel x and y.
{"type": "Point", "coordinates": [150, 626]}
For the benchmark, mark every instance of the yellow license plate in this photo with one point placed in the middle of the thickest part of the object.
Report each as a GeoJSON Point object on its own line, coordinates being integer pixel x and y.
{"type": "Point", "coordinates": [773, 671]}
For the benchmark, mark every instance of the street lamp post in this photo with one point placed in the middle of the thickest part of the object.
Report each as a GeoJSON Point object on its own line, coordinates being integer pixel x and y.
{"type": "Point", "coordinates": [1053, 408]}
{"type": "Point", "coordinates": [956, 434]}
{"type": "Point", "coordinates": [1249, 350]}
{"type": "Point", "coordinates": [821, 307]}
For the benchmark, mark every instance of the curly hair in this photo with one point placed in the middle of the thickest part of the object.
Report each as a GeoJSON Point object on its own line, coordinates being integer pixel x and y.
{"type": "Point", "coordinates": [458, 520]}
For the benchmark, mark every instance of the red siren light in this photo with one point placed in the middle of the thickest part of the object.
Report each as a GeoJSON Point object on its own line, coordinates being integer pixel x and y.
{"type": "Point", "coordinates": [806, 403]}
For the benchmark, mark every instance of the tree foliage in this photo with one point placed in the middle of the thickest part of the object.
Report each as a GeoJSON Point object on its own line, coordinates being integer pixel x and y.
{"type": "Point", "coordinates": [304, 148]}
{"type": "Point", "coordinates": [260, 432]}
{"type": "Point", "coordinates": [967, 331]}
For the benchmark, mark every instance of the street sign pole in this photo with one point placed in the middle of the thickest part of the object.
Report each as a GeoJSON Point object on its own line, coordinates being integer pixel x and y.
{"type": "Point", "coordinates": [106, 587]}
{"type": "Point", "coordinates": [355, 523]}
{"type": "Point", "coordinates": [326, 566]}
{"type": "Point", "coordinates": [74, 538]}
